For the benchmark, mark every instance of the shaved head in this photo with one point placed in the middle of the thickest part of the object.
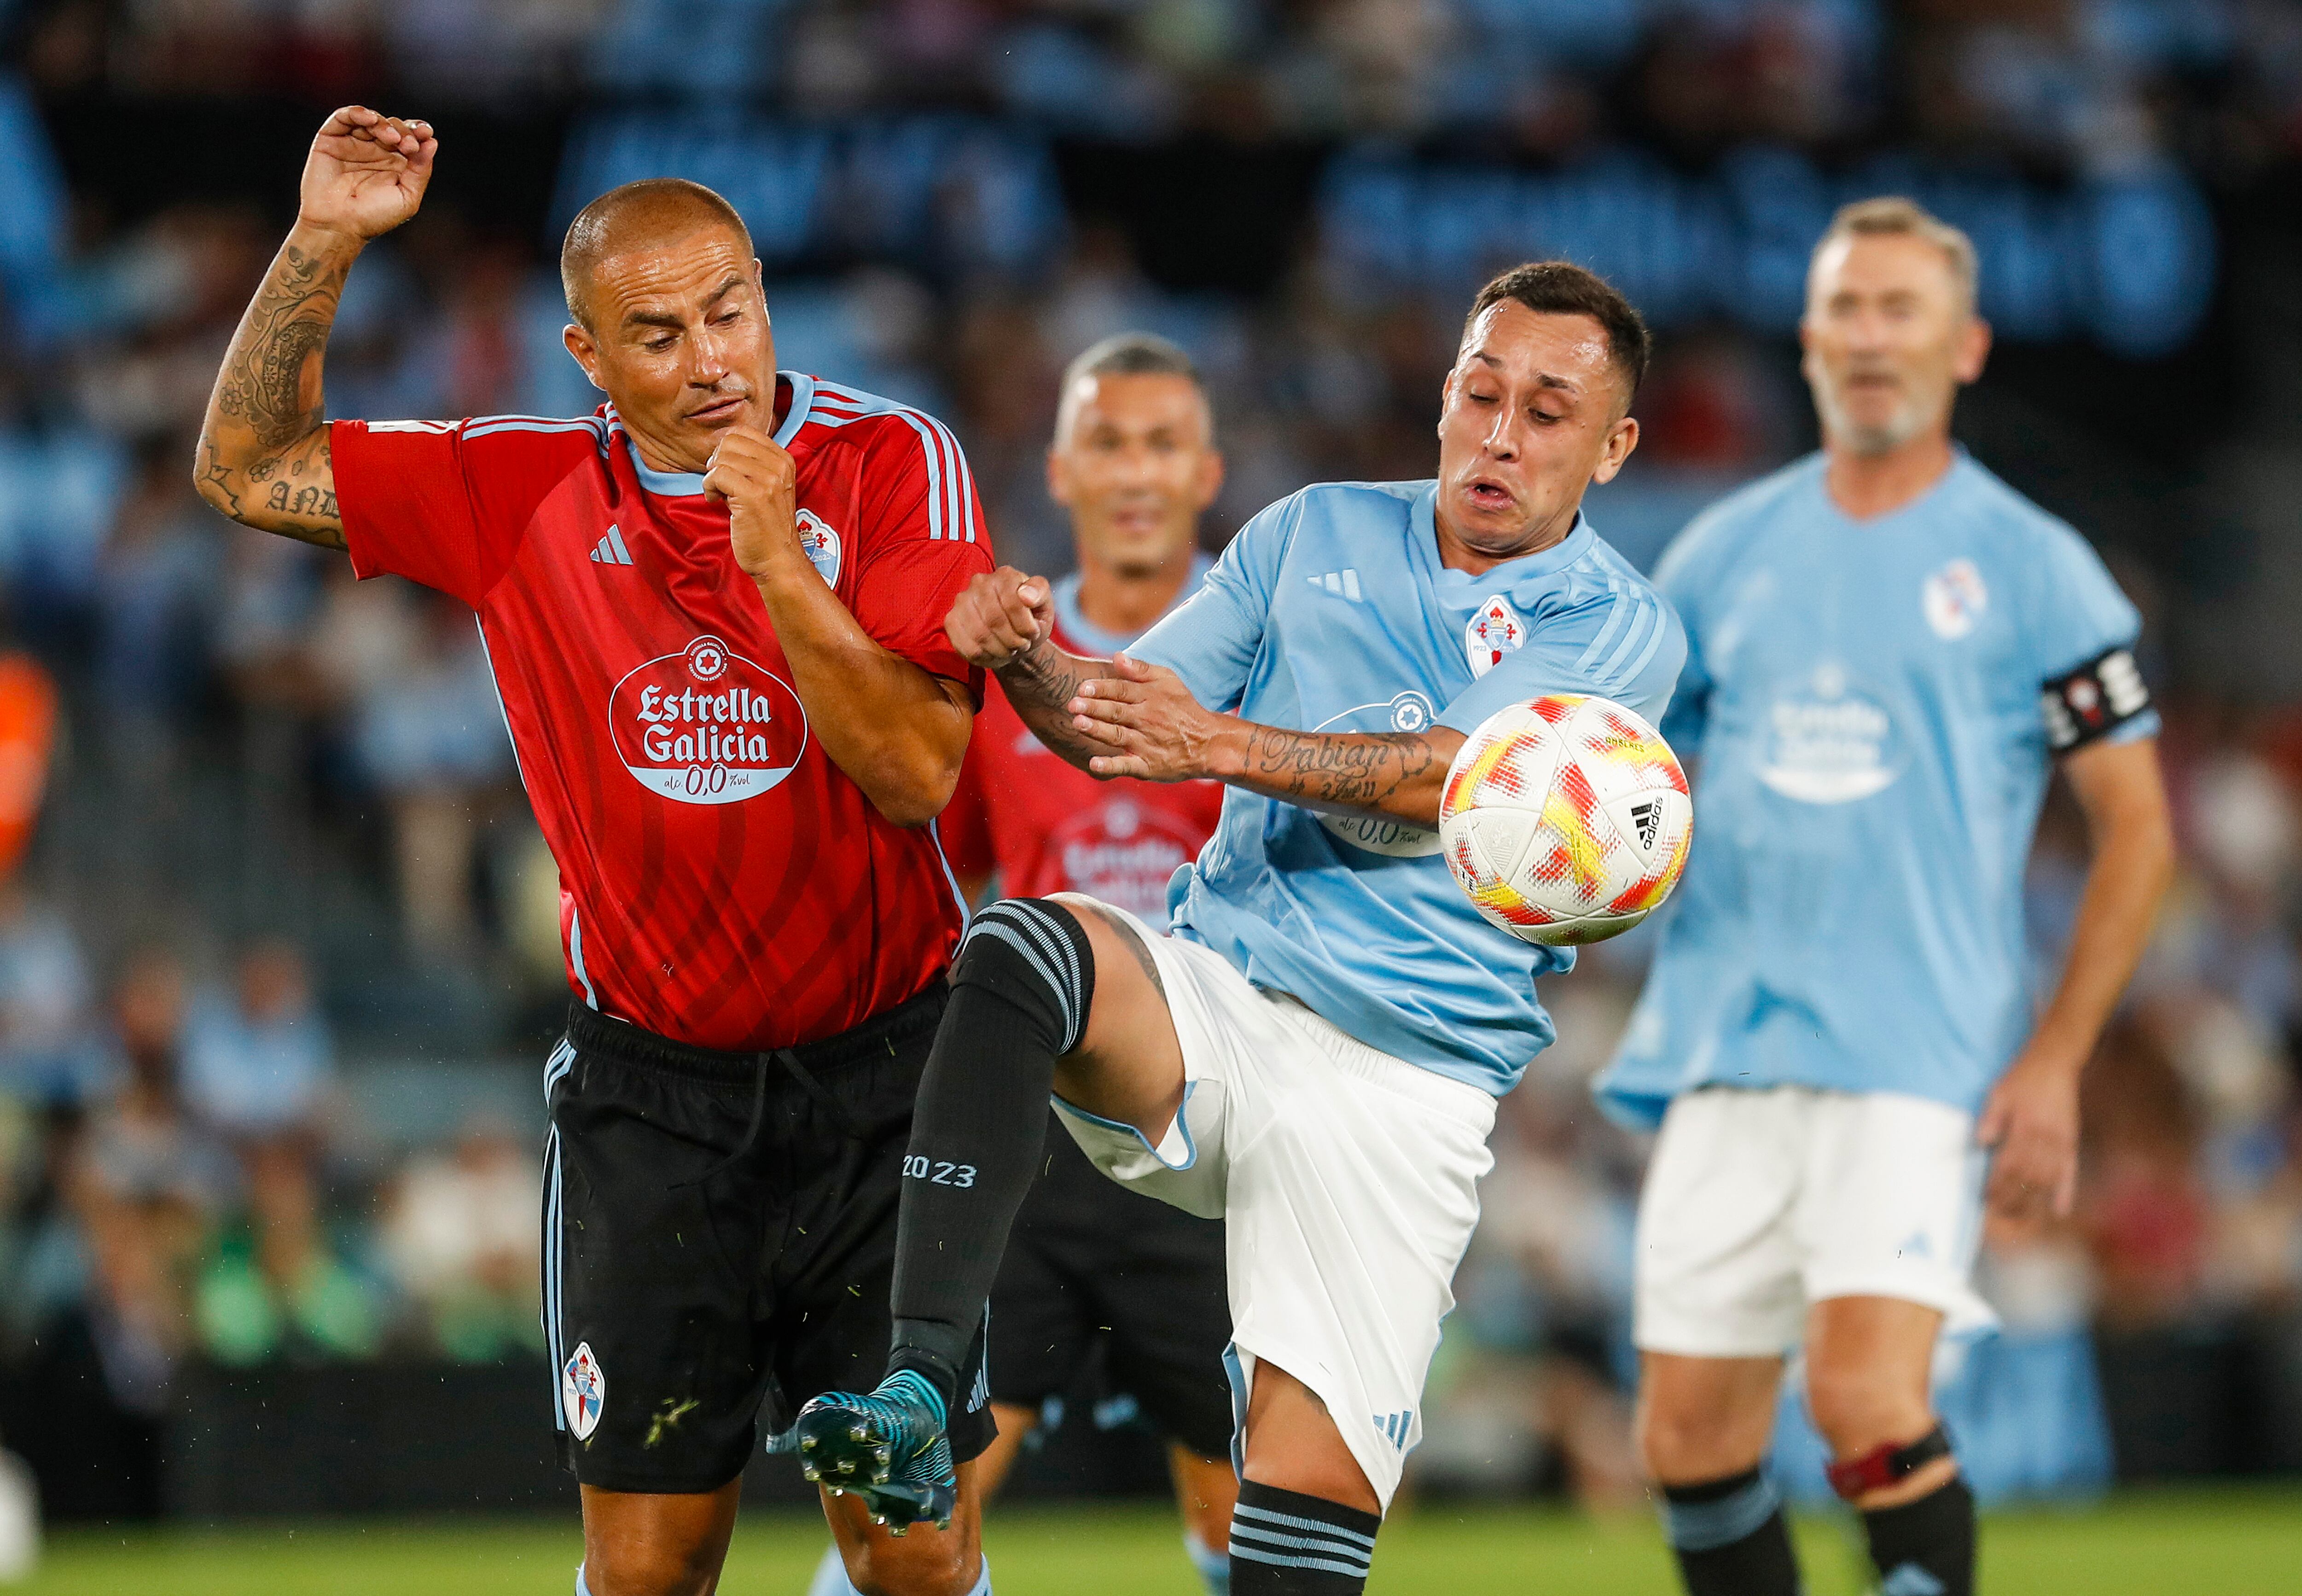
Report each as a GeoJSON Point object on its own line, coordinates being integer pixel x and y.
{"type": "Point", "coordinates": [650, 213]}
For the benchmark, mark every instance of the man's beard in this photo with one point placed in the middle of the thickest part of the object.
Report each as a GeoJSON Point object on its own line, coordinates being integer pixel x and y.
{"type": "Point", "coordinates": [1869, 438]}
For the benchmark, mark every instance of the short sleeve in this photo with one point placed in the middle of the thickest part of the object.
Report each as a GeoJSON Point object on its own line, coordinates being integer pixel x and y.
{"type": "Point", "coordinates": [446, 503]}
{"type": "Point", "coordinates": [1625, 645]}
{"type": "Point", "coordinates": [2080, 638]}
{"type": "Point", "coordinates": [1211, 638]}
{"type": "Point", "coordinates": [922, 541]}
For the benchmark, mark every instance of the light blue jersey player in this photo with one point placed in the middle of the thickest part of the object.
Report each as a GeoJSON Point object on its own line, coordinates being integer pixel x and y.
{"type": "Point", "coordinates": [1313, 1054]}
{"type": "Point", "coordinates": [1888, 649]}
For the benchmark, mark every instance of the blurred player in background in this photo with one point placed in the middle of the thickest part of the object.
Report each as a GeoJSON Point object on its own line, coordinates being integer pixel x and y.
{"type": "Point", "coordinates": [1315, 1053]}
{"type": "Point", "coordinates": [1134, 462]}
{"type": "Point", "coordinates": [1887, 647]}
{"type": "Point", "coordinates": [714, 613]}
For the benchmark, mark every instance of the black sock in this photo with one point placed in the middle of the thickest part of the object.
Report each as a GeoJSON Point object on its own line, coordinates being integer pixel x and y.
{"type": "Point", "coordinates": [1924, 1548]}
{"type": "Point", "coordinates": [1019, 994]}
{"type": "Point", "coordinates": [1284, 1543]}
{"type": "Point", "coordinates": [1730, 1537]}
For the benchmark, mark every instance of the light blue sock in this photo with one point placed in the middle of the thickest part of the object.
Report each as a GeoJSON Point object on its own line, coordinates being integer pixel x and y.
{"type": "Point", "coordinates": [581, 1588]}
{"type": "Point", "coordinates": [831, 1575]}
{"type": "Point", "coordinates": [1213, 1566]}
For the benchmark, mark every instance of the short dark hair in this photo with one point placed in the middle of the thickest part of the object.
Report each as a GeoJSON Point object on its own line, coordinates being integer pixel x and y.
{"type": "Point", "coordinates": [649, 206]}
{"type": "Point", "coordinates": [1128, 355]}
{"type": "Point", "coordinates": [1561, 288]}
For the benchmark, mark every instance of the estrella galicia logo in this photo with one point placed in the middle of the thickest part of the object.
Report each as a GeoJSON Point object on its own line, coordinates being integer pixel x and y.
{"type": "Point", "coordinates": [583, 1392]}
{"type": "Point", "coordinates": [706, 726]}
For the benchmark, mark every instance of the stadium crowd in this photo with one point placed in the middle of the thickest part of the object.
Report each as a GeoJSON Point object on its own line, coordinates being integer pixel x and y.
{"type": "Point", "coordinates": [263, 835]}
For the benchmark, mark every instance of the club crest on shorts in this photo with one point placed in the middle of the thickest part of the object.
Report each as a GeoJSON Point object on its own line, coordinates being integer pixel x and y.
{"type": "Point", "coordinates": [583, 1392]}
{"type": "Point", "coordinates": [1495, 630]}
{"type": "Point", "coordinates": [1954, 598]}
{"type": "Point", "coordinates": [820, 544]}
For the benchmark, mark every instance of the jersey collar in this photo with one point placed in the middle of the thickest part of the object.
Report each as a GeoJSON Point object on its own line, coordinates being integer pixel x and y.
{"type": "Point", "coordinates": [1094, 638]}
{"type": "Point", "coordinates": [686, 484]}
{"type": "Point", "coordinates": [1462, 585]}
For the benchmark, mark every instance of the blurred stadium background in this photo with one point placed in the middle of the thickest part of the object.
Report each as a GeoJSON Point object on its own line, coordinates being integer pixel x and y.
{"type": "Point", "coordinates": [278, 945]}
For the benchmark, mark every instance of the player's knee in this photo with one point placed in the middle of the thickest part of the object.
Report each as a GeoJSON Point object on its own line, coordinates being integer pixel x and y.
{"type": "Point", "coordinates": [1033, 955]}
{"type": "Point", "coordinates": [1857, 1408]}
{"type": "Point", "coordinates": [1683, 1442]}
{"type": "Point", "coordinates": [651, 1569]}
{"type": "Point", "coordinates": [913, 1564]}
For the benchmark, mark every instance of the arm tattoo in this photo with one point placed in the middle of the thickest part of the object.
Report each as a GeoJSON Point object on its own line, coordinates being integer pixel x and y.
{"type": "Point", "coordinates": [1355, 770]}
{"type": "Point", "coordinates": [1041, 683]}
{"type": "Point", "coordinates": [262, 383]}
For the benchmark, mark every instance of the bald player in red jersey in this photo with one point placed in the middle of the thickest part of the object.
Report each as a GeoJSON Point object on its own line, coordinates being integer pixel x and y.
{"type": "Point", "coordinates": [714, 611]}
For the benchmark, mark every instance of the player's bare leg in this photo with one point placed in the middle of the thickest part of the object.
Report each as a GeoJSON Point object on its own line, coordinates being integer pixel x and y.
{"type": "Point", "coordinates": [1704, 1425]}
{"type": "Point", "coordinates": [921, 1561]}
{"type": "Point", "coordinates": [1870, 1367]}
{"type": "Point", "coordinates": [998, 1460]}
{"type": "Point", "coordinates": [656, 1544]}
{"type": "Point", "coordinates": [1207, 1489]}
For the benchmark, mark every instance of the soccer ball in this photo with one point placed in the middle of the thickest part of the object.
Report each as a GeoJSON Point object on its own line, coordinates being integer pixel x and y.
{"type": "Point", "coordinates": [1566, 818]}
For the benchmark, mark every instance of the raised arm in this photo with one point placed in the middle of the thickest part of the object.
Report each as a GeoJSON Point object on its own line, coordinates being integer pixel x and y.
{"type": "Point", "coordinates": [264, 457]}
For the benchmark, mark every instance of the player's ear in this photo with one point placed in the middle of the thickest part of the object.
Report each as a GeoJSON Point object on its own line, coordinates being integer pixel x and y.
{"type": "Point", "coordinates": [1973, 350]}
{"type": "Point", "coordinates": [585, 349]}
{"type": "Point", "coordinates": [1211, 479]}
{"type": "Point", "coordinates": [1059, 476]}
{"type": "Point", "coordinates": [1621, 439]}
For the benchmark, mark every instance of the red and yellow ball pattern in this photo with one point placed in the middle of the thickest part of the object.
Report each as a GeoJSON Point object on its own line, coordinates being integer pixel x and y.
{"type": "Point", "coordinates": [1566, 818]}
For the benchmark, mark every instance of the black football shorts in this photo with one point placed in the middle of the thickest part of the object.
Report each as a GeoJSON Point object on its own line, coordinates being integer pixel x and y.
{"type": "Point", "coordinates": [719, 1238]}
{"type": "Point", "coordinates": [1090, 1262]}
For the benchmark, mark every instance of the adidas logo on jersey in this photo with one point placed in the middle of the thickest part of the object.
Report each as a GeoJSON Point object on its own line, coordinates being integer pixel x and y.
{"type": "Point", "coordinates": [1648, 818]}
{"type": "Point", "coordinates": [611, 550]}
{"type": "Point", "coordinates": [1344, 585]}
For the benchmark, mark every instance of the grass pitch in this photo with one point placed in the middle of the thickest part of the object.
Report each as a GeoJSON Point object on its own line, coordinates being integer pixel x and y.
{"type": "Point", "coordinates": [2234, 1541]}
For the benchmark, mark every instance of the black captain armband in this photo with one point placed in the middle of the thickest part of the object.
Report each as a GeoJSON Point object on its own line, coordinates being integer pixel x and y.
{"type": "Point", "coordinates": [2092, 701]}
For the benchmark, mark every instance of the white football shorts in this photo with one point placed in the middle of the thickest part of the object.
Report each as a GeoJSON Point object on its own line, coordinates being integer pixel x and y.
{"type": "Point", "coordinates": [1347, 1183]}
{"type": "Point", "coordinates": [1760, 1203]}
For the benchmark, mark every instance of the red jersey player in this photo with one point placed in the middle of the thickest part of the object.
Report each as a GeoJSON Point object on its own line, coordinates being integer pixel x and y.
{"type": "Point", "coordinates": [1135, 464]}
{"type": "Point", "coordinates": [714, 611]}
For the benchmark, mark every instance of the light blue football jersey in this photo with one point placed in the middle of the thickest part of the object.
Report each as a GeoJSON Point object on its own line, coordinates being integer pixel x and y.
{"type": "Point", "coordinates": [1331, 612]}
{"type": "Point", "coordinates": [1865, 701]}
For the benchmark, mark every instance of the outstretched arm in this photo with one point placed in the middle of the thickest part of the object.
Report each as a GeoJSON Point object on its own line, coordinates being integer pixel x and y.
{"type": "Point", "coordinates": [1120, 717]}
{"type": "Point", "coordinates": [1145, 723]}
{"type": "Point", "coordinates": [264, 457]}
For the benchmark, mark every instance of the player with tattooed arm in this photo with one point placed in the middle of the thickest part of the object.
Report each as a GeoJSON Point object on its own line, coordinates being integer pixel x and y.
{"type": "Point", "coordinates": [1314, 1052]}
{"type": "Point", "coordinates": [713, 609]}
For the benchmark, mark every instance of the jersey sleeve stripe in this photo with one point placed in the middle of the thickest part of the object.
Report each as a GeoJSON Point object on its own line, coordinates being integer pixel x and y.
{"type": "Point", "coordinates": [962, 484]}
{"type": "Point", "coordinates": [1617, 614]}
{"type": "Point", "coordinates": [1642, 625]}
{"type": "Point", "coordinates": [1657, 630]}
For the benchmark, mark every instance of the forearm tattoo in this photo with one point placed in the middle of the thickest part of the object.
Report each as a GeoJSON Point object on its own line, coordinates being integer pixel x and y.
{"type": "Point", "coordinates": [262, 383]}
{"type": "Point", "coordinates": [1351, 770]}
{"type": "Point", "coordinates": [1041, 683]}
{"type": "Point", "coordinates": [265, 458]}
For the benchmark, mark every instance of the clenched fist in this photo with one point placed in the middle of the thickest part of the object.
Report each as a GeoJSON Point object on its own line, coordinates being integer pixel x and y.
{"type": "Point", "coordinates": [366, 172]}
{"type": "Point", "coordinates": [759, 480]}
{"type": "Point", "coordinates": [998, 618]}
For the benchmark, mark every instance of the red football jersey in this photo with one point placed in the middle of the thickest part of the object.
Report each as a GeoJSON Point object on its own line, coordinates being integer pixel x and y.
{"type": "Point", "coordinates": [1050, 826]}
{"type": "Point", "coordinates": [721, 881]}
